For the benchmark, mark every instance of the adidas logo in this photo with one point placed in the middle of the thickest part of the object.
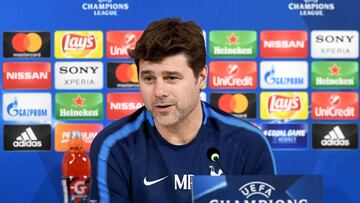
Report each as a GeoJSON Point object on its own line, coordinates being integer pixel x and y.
{"type": "Point", "coordinates": [335, 138]}
{"type": "Point", "coordinates": [27, 139]}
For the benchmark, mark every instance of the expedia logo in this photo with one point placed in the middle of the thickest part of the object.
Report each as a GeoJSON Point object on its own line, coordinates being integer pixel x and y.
{"type": "Point", "coordinates": [26, 44]}
{"type": "Point", "coordinates": [335, 136]}
{"type": "Point", "coordinates": [241, 105]}
{"type": "Point", "coordinates": [27, 137]}
{"type": "Point", "coordinates": [78, 44]}
{"type": "Point", "coordinates": [122, 75]}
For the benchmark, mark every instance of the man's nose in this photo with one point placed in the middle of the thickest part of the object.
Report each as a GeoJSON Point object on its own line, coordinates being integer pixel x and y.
{"type": "Point", "coordinates": [160, 89]}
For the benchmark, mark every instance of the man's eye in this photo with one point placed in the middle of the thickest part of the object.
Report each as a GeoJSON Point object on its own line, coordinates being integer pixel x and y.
{"type": "Point", "coordinates": [171, 78]}
{"type": "Point", "coordinates": [148, 79]}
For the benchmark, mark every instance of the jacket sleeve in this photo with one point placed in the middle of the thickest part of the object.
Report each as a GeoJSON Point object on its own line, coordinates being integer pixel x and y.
{"type": "Point", "coordinates": [109, 174]}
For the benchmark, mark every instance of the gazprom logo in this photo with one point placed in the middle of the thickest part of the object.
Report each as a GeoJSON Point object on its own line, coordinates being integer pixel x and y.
{"type": "Point", "coordinates": [256, 188]}
{"type": "Point", "coordinates": [13, 110]}
{"type": "Point", "coordinates": [283, 75]}
{"type": "Point", "coordinates": [26, 106]}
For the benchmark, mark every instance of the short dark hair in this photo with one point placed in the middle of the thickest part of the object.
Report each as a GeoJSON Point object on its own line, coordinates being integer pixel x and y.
{"type": "Point", "coordinates": [168, 37]}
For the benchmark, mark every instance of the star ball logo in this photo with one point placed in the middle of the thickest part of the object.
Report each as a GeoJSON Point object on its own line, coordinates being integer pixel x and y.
{"type": "Point", "coordinates": [78, 44]}
{"type": "Point", "coordinates": [241, 105]}
{"type": "Point", "coordinates": [26, 44]}
{"type": "Point", "coordinates": [233, 44]}
{"type": "Point", "coordinates": [233, 75]}
{"type": "Point", "coordinates": [335, 74]}
{"type": "Point", "coordinates": [119, 42]}
{"type": "Point", "coordinates": [284, 105]}
{"type": "Point", "coordinates": [122, 75]}
{"type": "Point", "coordinates": [79, 106]}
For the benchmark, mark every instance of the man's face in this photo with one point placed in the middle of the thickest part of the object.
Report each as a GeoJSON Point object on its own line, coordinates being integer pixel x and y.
{"type": "Point", "coordinates": [169, 89]}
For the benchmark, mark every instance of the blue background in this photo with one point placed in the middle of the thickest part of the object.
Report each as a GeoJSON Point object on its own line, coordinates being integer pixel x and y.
{"type": "Point", "coordinates": [36, 176]}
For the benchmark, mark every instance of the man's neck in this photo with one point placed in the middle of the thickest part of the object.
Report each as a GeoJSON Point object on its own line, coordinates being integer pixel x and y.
{"type": "Point", "coordinates": [184, 131]}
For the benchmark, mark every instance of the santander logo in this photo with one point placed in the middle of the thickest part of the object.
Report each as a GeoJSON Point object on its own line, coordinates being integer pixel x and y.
{"type": "Point", "coordinates": [277, 103]}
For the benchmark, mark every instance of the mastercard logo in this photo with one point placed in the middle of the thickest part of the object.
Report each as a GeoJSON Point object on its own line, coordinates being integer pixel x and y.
{"type": "Point", "coordinates": [236, 103]}
{"type": "Point", "coordinates": [30, 42]}
{"type": "Point", "coordinates": [126, 73]}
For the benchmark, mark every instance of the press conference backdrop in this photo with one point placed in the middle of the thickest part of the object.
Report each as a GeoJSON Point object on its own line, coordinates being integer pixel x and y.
{"type": "Point", "coordinates": [289, 67]}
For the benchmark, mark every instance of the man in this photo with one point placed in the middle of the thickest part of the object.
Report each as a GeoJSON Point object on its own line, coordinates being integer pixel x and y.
{"type": "Point", "coordinates": [151, 155]}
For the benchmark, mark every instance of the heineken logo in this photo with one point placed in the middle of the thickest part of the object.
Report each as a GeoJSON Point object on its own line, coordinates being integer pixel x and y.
{"type": "Point", "coordinates": [233, 44]}
{"type": "Point", "coordinates": [335, 74]}
{"type": "Point", "coordinates": [79, 106]}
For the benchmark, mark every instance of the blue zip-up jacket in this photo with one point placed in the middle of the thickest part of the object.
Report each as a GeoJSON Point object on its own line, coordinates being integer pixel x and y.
{"type": "Point", "coordinates": [131, 162]}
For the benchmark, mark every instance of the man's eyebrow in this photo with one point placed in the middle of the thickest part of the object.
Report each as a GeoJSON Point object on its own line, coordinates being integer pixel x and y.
{"type": "Point", "coordinates": [171, 73]}
{"type": "Point", "coordinates": [144, 72]}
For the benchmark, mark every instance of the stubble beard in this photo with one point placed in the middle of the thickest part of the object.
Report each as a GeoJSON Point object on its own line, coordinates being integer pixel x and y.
{"type": "Point", "coordinates": [175, 116]}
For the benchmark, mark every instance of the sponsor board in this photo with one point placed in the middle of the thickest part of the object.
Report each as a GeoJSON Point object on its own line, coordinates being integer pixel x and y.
{"type": "Point", "coordinates": [27, 137]}
{"type": "Point", "coordinates": [119, 105]}
{"type": "Point", "coordinates": [286, 136]}
{"type": "Point", "coordinates": [283, 44]}
{"type": "Point", "coordinates": [26, 44]}
{"type": "Point", "coordinates": [283, 75]}
{"type": "Point", "coordinates": [79, 75]}
{"type": "Point", "coordinates": [232, 44]}
{"type": "Point", "coordinates": [335, 105]}
{"type": "Point", "coordinates": [88, 132]}
{"type": "Point", "coordinates": [233, 75]}
{"type": "Point", "coordinates": [335, 74]}
{"type": "Point", "coordinates": [26, 75]}
{"type": "Point", "coordinates": [122, 75]}
{"type": "Point", "coordinates": [27, 107]}
{"type": "Point", "coordinates": [242, 105]}
{"type": "Point", "coordinates": [335, 44]}
{"type": "Point", "coordinates": [78, 44]}
{"type": "Point", "coordinates": [82, 106]}
{"type": "Point", "coordinates": [335, 136]}
{"type": "Point", "coordinates": [119, 42]}
{"type": "Point", "coordinates": [284, 105]}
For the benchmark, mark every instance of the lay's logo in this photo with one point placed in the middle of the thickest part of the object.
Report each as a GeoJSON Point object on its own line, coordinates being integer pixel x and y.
{"type": "Point", "coordinates": [284, 105]}
{"type": "Point", "coordinates": [278, 103]}
{"type": "Point", "coordinates": [78, 44]}
{"type": "Point", "coordinates": [74, 42]}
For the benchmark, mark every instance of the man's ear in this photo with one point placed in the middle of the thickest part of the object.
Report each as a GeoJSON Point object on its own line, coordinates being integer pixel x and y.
{"type": "Point", "coordinates": [202, 77]}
